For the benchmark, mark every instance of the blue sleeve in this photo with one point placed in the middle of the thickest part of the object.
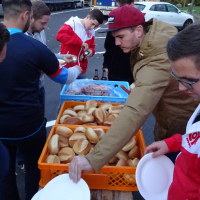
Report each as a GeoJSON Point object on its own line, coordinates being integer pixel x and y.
{"type": "Point", "coordinates": [4, 161]}
{"type": "Point", "coordinates": [60, 76]}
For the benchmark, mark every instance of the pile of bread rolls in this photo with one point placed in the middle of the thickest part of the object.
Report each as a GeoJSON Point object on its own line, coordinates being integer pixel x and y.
{"type": "Point", "coordinates": [90, 115]}
{"type": "Point", "coordinates": [65, 144]}
{"type": "Point", "coordinates": [128, 156]}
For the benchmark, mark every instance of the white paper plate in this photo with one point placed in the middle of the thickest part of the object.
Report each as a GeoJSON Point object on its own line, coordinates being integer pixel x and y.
{"type": "Point", "coordinates": [154, 177]}
{"type": "Point", "coordinates": [37, 195]}
{"type": "Point", "coordinates": [63, 188]}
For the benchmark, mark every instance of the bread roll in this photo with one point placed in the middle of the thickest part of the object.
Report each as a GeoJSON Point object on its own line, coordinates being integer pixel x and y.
{"type": "Point", "coordinates": [88, 119]}
{"type": "Point", "coordinates": [133, 163]}
{"type": "Point", "coordinates": [75, 137]}
{"type": "Point", "coordinates": [116, 109]}
{"type": "Point", "coordinates": [122, 154]}
{"type": "Point", "coordinates": [79, 108]}
{"type": "Point", "coordinates": [66, 155]}
{"type": "Point", "coordinates": [73, 121]}
{"type": "Point", "coordinates": [115, 115]}
{"type": "Point", "coordinates": [64, 131]}
{"type": "Point", "coordinates": [91, 150]}
{"type": "Point", "coordinates": [113, 161]}
{"type": "Point", "coordinates": [70, 112]}
{"type": "Point", "coordinates": [53, 145]}
{"type": "Point", "coordinates": [92, 136]}
{"type": "Point", "coordinates": [82, 147]}
{"type": "Point", "coordinates": [90, 104]}
{"type": "Point", "coordinates": [122, 162]}
{"type": "Point", "coordinates": [129, 178]}
{"type": "Point", "coordinates": [100, 132]}
{"type": "Point", "coordinates": [99, 116]}
{"type": "Point", "coordinates": [91, 110]}
{"type": "Point", "coordinates": [53, 159]}
{"type": "Point", "coordinates": [130, 144]}
{"type": "Point", "coordinates": [134, 152]}
{"type": "Point", "coordinates": [105, 106]}
{"type": "Point", "coordinates": [91, 124]}
{"type": "Point", "coordinates": [109, 121]}
{"type": "Point", "coordinates": [82, 113]}
{"type": "Point", "coordinates": [62, 119]}
{"type": "Point", "coordinates": [70, 109]}
{"type": "Point", "coordinates": [80, 129]}
{"type": "Point", "coordinates": [107, 114]}
{"type": "Point", "coordinates": [63, 142]}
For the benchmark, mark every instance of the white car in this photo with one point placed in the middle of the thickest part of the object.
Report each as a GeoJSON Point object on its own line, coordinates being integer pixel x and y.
{"type": "Point", "coordinates": [165, 12]}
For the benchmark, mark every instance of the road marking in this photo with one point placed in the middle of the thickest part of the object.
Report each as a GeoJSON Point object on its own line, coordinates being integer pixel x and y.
{"type": "Point", "coordinates": [106, 23]}
{"type": "Point", "coordinates": [68, 11]}
{"type": "Point", "coordinates": [100, 52]}
{"type": "Point", "coordinates": [51, 123]}
{"type": "Point", "coordinates": [99, 37]}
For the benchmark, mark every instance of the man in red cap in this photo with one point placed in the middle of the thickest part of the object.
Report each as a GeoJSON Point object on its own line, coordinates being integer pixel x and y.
{"type": "Point", "coordinates": [156, 91]}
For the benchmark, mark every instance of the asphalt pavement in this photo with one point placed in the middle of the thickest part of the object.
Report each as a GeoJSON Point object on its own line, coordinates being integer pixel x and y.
{"type": "Point", "coordinates": [53, 89]}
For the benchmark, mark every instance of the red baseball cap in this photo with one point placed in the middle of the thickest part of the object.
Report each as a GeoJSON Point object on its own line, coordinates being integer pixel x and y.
{"type": "Point", "coordinates": [123, 17]}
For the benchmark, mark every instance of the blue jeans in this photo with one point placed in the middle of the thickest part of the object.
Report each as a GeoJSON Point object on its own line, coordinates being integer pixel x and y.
{"type": "Point", "coordinates": [30, 149]}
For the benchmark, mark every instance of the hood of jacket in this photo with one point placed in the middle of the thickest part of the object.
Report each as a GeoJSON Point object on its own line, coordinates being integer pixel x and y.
{"type": "Point", "coordinates": [154, 42]}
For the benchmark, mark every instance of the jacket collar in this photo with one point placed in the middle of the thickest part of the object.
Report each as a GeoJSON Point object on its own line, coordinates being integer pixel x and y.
{"type": "Point", "coordinates": [14, 30]}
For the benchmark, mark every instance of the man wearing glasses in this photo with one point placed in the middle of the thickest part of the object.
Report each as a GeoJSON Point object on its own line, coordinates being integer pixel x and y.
{"type": "Point", "coordinates": [156, 91]}
{"type": "Point", "coordinates": [185, 63]}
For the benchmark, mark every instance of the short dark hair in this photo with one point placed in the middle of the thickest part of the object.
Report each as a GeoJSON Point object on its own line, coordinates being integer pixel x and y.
{"type": "Point", "coordinates": [124, 2]}
{"type": "Point", "coordinates": [186, 44]}
{"type": "Point", "coordinates": [40, 9]}
{"type": "Point", "coordinates": [4, 36]}
{"type": "Point", "coordinates": [13, 8]}
{"type": "Point", "coordinates": [144, 25]}
{"type": "Point", "coordinates": [96, 14]}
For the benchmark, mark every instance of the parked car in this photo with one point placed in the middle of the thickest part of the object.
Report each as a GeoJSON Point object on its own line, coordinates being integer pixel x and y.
{"type": "Point", "coordinates": [165, 12]}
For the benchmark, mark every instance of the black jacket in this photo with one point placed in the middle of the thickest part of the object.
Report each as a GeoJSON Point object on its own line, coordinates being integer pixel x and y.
{"type": "Point", "coordinates": [117, 62]}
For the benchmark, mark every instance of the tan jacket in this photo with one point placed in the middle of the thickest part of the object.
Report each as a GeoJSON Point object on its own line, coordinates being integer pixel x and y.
{"type": "Point", "coordinates": [156, 91]}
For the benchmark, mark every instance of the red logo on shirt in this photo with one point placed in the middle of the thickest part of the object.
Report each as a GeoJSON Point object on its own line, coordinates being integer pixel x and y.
{"type": "Point", "coordinates": [193, 138]}
{"type": "Point", "coordinates": [89, 34]}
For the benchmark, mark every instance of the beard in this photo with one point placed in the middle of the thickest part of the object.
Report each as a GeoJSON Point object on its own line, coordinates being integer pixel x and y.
{"type": "Point", "coordinates": [26, 27]}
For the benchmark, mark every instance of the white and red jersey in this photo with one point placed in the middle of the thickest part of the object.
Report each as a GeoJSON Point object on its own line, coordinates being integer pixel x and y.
{"type": "Point", "coordinates": [186, 178]}
{"type": "Point", "coordinates": [71, 35]}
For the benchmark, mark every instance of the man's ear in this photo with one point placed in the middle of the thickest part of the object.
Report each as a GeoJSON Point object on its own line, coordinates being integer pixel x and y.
{"type": "Point", "coordinates": [25, 15]}
{"type": "Point", "coordinates": [88, 17]}
{"type": "Point", "coordinates": [132, 4]}
{"type": "Point", "coordinates": [139, 31]}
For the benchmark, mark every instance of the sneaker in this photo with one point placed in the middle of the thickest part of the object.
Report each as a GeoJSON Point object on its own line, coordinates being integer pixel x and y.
{"type": "Point", "coordinates": [22, 167]}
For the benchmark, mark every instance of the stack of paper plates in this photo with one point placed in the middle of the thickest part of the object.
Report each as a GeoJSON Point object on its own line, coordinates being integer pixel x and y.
{"type": "Point", "coordinates": [154, 177]}
{"type": "Point", "coordinates": [63, 188]}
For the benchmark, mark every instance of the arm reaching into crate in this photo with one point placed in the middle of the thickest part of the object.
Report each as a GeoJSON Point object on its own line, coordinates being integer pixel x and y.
{"type": "Point", "coordinates": [139, 105]}
{"type": "Point", "coordinates": [147, 92]}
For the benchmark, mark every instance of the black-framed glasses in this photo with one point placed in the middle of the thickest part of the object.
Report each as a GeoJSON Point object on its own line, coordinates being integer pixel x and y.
{"type": "Point", "coordinates": [188, 85]}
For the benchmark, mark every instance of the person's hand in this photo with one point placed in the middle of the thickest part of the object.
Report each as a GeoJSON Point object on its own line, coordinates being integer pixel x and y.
{"type": "Point", "coordinates": [79, 68]}
{"type": "Point", "coordinates": [159, 148]}
{"type": "Point", "coordinates": [85, 46]}
{"type": "Point", "coordinates": [68, 58]}
{"type": "Point", "coordinates": [106, 69]}
{"type": "Point", "coordinates": [90, 54]}
{"type": "Point", "coordinates": [76, 166]}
